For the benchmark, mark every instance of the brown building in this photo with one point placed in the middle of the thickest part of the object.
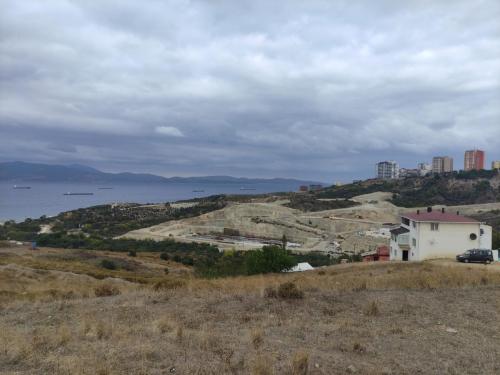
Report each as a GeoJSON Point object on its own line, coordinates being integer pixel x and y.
{"type": "Point", "coordinates": [442, 164]}
{"type": "Point", "coordinates": [473, 160]}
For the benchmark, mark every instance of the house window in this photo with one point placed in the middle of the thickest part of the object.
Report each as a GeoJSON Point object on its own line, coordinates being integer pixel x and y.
{"type": "Point", "coordinates": [434, 226]}
{"type": "Point", "coordinates": [481, 231]}
{"type": "Point", "coordinates": [414, 224]}
{"type": "Point", "coordinates": [414, 241]}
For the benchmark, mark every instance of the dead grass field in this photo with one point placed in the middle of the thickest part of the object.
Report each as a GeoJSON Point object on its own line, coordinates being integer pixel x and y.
{"type": "Point", "coordinates": [386, 318]}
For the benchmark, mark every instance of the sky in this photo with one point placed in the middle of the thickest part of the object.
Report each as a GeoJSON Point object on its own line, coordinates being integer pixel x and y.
{"type": "Point", "coordinates": [307, 89]}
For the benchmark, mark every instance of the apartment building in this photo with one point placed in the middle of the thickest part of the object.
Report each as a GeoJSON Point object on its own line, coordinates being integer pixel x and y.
{"type": "Point", "coordinates": [474, 160]}
{"type": "Point", "coordinates": [495, 164]}
{"type": "Point", "coordinates": [387, 170]}
{"type": "Point", "coordinates": [442, 164]}
{"type": "Point", "coordinates": [424, 169]}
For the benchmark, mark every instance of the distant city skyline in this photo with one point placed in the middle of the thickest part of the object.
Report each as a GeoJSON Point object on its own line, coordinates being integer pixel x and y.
{"type": "Point", "coordinates": [316, 90]}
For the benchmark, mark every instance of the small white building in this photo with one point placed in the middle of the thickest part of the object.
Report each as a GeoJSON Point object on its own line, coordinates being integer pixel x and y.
{"type": "Point", "coordinates": [437, 234]}
{"type": "Point", "coordinates": [301, 267]}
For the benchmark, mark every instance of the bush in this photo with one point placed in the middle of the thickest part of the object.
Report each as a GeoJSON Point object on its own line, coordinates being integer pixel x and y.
{"type": "Point", "coordinates": [106, 291]}
{"type": "Point", "coordinates": [108, 264]}
{"type": "Point", "coordinates": [164, 256]}
{"type": "Point", "coordinates": [269, 259]}
{"type": "Point", "coordinates": [270, 292]}
{"type": "Point", "coordinates": [132, 253]}
{"type": "Point", "coordinates": [289, 291]}
{"type": "Point", "coordinates": [167, 284]}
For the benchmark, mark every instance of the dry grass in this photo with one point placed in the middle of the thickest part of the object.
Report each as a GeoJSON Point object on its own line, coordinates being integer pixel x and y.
{"type": "Point", "coordinates": [379, 318]}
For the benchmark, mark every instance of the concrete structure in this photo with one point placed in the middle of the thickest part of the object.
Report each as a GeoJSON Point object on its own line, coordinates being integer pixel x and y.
{"type": "Point", "coordinates": [437, 234]}
{"type": "Point", "coordinates": [442, 164]}
{"type": "Point", "coordinates": [424, 169]}
{"type": "Point", "coordinates": [495, 164]}
{"type": "Point", "coordinates": [380, 254]}
{"type": "Point", "coordinates": [473, 160]}
{"type": "Point", "coordinates": [387, 170]}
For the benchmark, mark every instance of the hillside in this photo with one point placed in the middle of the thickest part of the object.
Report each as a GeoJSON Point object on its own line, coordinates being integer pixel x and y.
{"type": "Point", "coordinates": [63, 313]}
{"type": "Point", "coordinates": [458, 188]}
{"type": "Point", "coordinates": [32, 172]}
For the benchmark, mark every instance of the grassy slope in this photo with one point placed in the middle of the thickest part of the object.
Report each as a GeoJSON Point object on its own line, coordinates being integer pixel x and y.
{"type": "Point", "coordinates": [380, 318]}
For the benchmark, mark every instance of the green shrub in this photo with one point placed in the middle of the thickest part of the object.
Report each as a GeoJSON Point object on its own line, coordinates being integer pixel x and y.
{"type": "Point", "coordinates": [108, 264]}
{"type": "Point", "coordinates": [132, 253]}
{"type": "Point", "coordinates": [269, 259]}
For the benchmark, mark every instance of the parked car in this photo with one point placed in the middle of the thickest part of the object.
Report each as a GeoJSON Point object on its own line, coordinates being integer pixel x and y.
{"type": "Point", "coordinates": [476, 255]}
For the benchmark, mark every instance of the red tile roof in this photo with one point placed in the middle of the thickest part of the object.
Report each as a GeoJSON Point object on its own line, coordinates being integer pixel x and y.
{"type": "Point", "coordinates": [439, 217]}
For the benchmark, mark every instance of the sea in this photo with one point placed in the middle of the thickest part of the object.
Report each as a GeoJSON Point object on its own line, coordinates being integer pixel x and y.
{"type": "Point", "coordinates": [49, 198]}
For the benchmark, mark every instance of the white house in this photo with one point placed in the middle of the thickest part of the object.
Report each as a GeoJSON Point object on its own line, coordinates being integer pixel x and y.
{"type": "Point", "coordinates": [437, 234]}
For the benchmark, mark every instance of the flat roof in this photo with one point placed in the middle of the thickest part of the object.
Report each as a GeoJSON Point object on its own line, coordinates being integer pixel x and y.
{"type": "Point", "coordinates": [438, 216]}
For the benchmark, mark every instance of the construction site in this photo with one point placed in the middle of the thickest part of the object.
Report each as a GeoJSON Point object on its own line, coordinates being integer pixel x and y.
{"type": "Point", "coordinates": [245, 226]}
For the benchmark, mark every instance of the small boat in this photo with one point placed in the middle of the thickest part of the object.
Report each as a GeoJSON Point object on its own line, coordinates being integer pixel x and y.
{"type": "Point", "coordinates": [244, 188]}
{"type": "Point", "coordinates": [68, 193]}
{"type": "Point", "coordinates": [21, 187]}
{"type": "Point", "coordinates": [104, 188]}
{"type": "Point", "coordinates": [198, 191]}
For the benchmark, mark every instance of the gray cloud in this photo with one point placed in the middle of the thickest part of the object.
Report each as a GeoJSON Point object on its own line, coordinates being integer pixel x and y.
{"type": "Point", "coordinates": [317, 89]}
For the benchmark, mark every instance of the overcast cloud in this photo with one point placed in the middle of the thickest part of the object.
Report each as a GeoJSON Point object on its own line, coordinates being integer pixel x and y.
{"type": "Point", "coordinates": [310, 89]}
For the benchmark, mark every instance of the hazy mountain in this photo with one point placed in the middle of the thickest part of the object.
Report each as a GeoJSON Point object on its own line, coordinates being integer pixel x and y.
{"type": "Point", "coordinates": [18, 171]}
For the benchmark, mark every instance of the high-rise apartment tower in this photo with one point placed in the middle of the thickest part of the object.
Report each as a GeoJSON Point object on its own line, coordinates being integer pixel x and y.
{"type": "Point", "coordinates": [473, 160]}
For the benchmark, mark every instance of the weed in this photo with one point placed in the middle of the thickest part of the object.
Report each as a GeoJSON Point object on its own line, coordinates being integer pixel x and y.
{"type": "Point", "coordinates": [106, 291]}
{"type": "Point", "coordinates": [372, 309]}
{"type": "Point", "coordinates": [290, 291]}
{"type": "Point", "coordinates": [164, 325]}
{"type": "Point", "coordinates": [300, 364]}
{"type": "Point", "coordinates": [262, 366]}
{"type": "Point", "coordinates": [179, 334]}
{"type": "Point", "coordinates": [102, 331]}
{"type": "Point", "coordinates": [358, 348]}
{"type": "Point", "coordinates": [167, 284]}
{"type": "Point", "coordinates": [361, 286]}
{"type": "Point", "coordinates": [270, 292]}
{"type": "Point", "coordinates": [257, 338]}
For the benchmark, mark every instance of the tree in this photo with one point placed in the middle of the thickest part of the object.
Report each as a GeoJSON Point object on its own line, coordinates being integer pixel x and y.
{"type": "Point", "coordinates": [269, 259]}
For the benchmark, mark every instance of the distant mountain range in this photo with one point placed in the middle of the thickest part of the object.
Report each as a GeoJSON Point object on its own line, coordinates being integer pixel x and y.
{"type": "Point", "coordinates": [18, 171]}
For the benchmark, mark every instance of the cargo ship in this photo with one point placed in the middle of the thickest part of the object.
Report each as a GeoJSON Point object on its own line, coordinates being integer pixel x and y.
{"type": "Point", "coordinates": [21, 187]}
{"type": "Point", "coordinates": [68, 193]}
